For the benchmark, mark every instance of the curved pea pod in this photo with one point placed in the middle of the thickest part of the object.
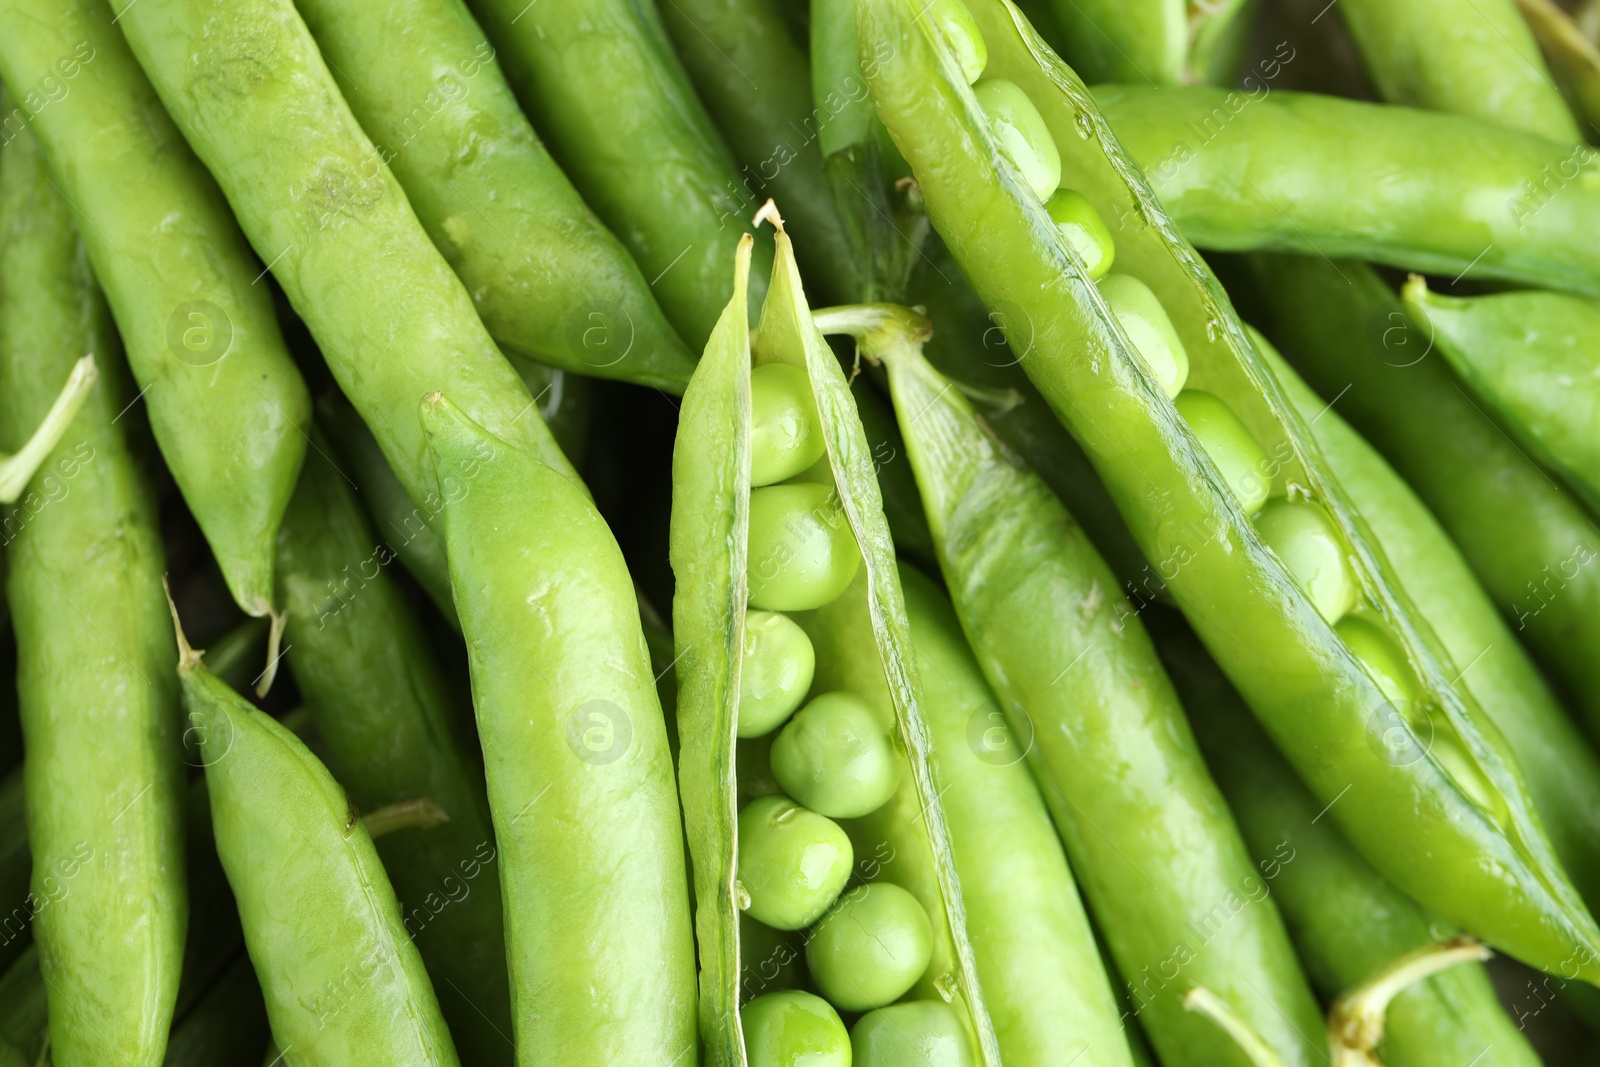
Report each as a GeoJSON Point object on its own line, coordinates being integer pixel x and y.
{"type": "Point", "coordinates": [1530, 543]}
{"type": "Point", "coordinates": [711, 563]}
{"type": "Point", "coordinates": [1347, 921]}
{"type": "Point", "coordinates": [1486, 67]}
{"type": "Point", "coordinates": [1440, 193]}
{"type": "Point", "coordinates": [391, 318]}
{"type": "Point", "coordinates": [103, 776]}
{"type": "Point", "coordinates": [227, 406]}
{"type": "Point", "coordinates": [1043, 982]}
{"type": "Point", "coordinates": [757, 85]}
{"type": "Point", "coordinates": [1561, 769]}
{"type": "Point", "coordinates": [1161, 863]}
{"type": "Point", "coordinates": [549, 280]}
{"type": "Point", "coordinates": [601, 83]}
{"type": "Point", "coordinates": [1448, 820]}
{"type": "Point", "coordinates": [377, 698]}
{"type": "Point", "coordinates": [1573, 57]}
{"type": "Point", "coordinates": [342, 979]}
{"type": "Point", "coordinates": [1151, 42]}
{"type": "Point", "coordinates": [1533, 359]}
{"type": "Point", "coordinates": [579, 773]}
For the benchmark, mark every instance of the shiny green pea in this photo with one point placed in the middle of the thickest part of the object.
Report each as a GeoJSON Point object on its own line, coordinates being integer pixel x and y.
{"type": "Point", "coordinates": [918, 1033]}
{"type": "Point", "coordinates": [775, 672]}
{"type": "Point", "coordinates": [1230, 445]}
{"type": "Point", "coordinates": [961, 35]}
{"type": "Point", "coordinates": [835, 757]}
{"type": "Point", "coordinates": [1140, 314]}
{"type": "Point", "coordinates": [1304, 537]}
{"type": "Point", "coordinates": [871, 948]}
{"type": "Point", "coordinates": [785, 433]}
{"type": "Point", "coordinates": [793, 1029]}
{"type": "Point", "coordinates": [802, 554]}
{"type": "Point", "coordinates": [792, 862]}
{"type": "Point", "coordinates": [1082, 227]}
{"type": "Point", "coordinates": [1022, 133]}
{"type": "Point", "coordinates": [1380, 654]}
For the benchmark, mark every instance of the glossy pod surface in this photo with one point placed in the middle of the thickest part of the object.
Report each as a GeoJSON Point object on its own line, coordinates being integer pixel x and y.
{"type": "Point", "coordinates": [97, 696]}
{"type": "Point", "coordinates": [226, 405]}
{"type": "Point", "coordinates": [1229, 583]}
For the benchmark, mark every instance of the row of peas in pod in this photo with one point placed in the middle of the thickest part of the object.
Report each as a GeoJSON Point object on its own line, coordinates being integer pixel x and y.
{"type": "Point", "coordinates": [1294, 526]}
{"type": "Point", "coordinates": [833, 758]}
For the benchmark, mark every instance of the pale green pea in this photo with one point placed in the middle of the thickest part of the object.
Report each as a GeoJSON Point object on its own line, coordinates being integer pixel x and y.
{"type": "Point", "coordinates": [918, 1033]}
{"type": "Point", "coordinates": [1022, 133]}
{"type": "Point", "coordinates": [792, 862]}
{"type": "Point", "coordinates": [775, 672]}
{"type": "Point", "coordinates": [836, 758]}
{"type": "Point", "coordinates": [1086, 232]}
{"type": "Point", "coordinates": [794, 1029]}
{"type": "Point", "coordinates": [1140, 314]}
{"type": "Point", "coordinates": [1237, 454]}
{"type": "Point", "coordinates": [802, 554]}
{"type": "Point", "coordinates": [1305, 540]}
{"type": "Point", "coordinates": [785, 436]}
{"type": "Point", "coordinates": [871, 948]}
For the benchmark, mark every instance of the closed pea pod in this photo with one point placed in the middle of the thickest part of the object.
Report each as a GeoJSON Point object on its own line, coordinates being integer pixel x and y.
{"type": "Point", "coordinates": [579, 773]}
{"type": "Point", "coordinates": [720, 557]}
{"type": "Point", "coordinates": [377, 698]}
{"type": "Point", "coordinates": [341, 977]}
{"type": "Point", "coordinates": [103, 775]}
{"type": "Point", "coordinates": [549, 280]}
{"type": "Point", "coordinates": [226, 405]}
{"type": "Point", "coordinates": [1230, 585]}
{"type": "Point", "coordinates": [390, 317]}
{"type": "Point", "coordinates": [1438, 193]}
{"type": "Point", "coordinates": [599, 80]}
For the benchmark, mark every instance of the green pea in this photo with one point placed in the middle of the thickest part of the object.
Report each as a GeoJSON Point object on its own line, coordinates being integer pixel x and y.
{"type": "Point", "coordinates": [1144, 320]}
{"type": "Point", "coordinates": [802, 554]}
{"type": "Point", "coordinates": [1229, 444]}
{"type": "Point", "coordinates": [792, 862]}
{"type": "Point", "coordinates": [871, 948]}
{"type": "Point", "coordinates": [1371, 643]}
{"type": "Point", "coordinates": [1022, 133]}
{"type": "Point", "coordinates": [836, 758]}
{"type": "Point", "coordinates": [1311, 549]}
{"type": "Point", "coordinates": [1082, 227]}
{"type": "Point", "coordinates": [961, 35]}
{"type": "Point", "coordinates": [793, 1029]}
{"type": "Point", "coordinates": [786, 436]}
{"type": "Point", "coordinates": [918, 1033]}
{"type": "Point", "coordinates": [774, 673]}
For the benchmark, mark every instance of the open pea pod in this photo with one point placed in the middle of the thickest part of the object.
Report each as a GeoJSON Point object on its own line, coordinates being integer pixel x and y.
{"type": "Point", "coordinates": [1190, 449]}
{"type": "Point", "coordinates": [712, 559]}
{"type": "Point", "coordinates": [1531, 358]}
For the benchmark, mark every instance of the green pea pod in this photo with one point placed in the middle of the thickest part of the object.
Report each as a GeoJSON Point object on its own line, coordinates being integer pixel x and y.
{"type": "Point", "coordinates": [16, 867]}
{"type": "Point", "coordinates": [548, 278]}
{"type": "Point", "coordinates": [1531, 544]}
{"type": "Point", "coordinates": [342, 980]}
{"type": "Point", "coordinates": [1157, 854]}
{"type": "Point", "coordinates": [710, 529]}
{"type": "Point", "coordinates": [1561, 769]}
{"type": "Point", "coordinates": [1482, 63]}
{"type": "Point", "coordinates": [230, 1021]}
{"type": "Point", "coordinates": [756, 84]}
{"type": "Point", "coordinates": [579, 773]}
{"type": "Point", "coordinates": [1449, 821]}
{"type": "Point", "coordinates": [1439, 193]}
{"type": "Point", "coordinates": [1043, 982]}
{"type": "Point", "coordinates": [378, 700]}
{"type": "Point", "coordinates": [226, 404]}
{"type": "Point", "coordinates": [1572, 56]}
{"type": "Point", "coordinates": [1142, 41]}
{"type": "Point", "coordinates": [104, 778]}
{"type": "Point", "coordinates": [1529, 358]}
{"type": "Point", "coordinates": [601, 83]}
{"type": "Point", "coordinates": [1347, 921]}
{"type": "Point", "coordinates": [321, 208]}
